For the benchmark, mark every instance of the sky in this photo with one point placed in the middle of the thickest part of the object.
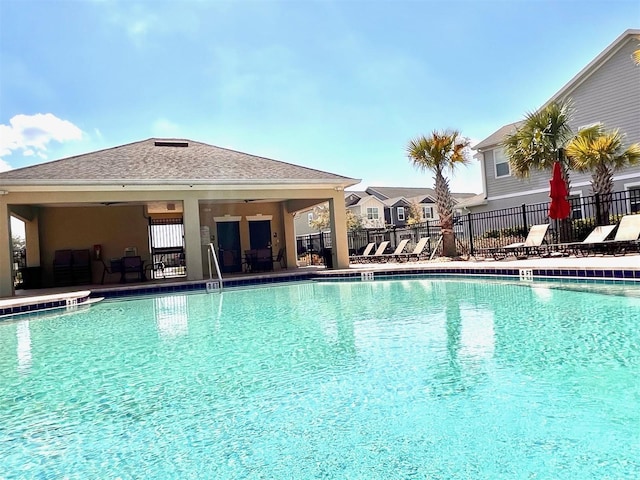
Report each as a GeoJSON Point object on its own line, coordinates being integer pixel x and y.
{"type": "Point", "coordinates": [340, 86]}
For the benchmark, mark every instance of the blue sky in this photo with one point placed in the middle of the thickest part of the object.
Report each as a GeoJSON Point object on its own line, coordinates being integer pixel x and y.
{"type": "Point", "coordinates": [341, 86]}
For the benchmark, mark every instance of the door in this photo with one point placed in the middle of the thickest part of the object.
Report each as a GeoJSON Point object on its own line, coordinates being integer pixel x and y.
{"type": "Point", "coordinates": [260, 241]}
{"type": "Point", "coordinates": [260, 234]}
{"type": "Point", "coordinates": [229, 255]}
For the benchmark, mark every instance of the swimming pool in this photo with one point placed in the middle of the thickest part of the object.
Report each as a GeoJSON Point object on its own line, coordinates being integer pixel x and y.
{"type": "Point", "coordinates": [373, 380]}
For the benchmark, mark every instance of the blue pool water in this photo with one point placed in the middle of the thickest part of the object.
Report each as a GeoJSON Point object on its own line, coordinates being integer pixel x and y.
{"type": "Point", "coordinates": [367, 380]}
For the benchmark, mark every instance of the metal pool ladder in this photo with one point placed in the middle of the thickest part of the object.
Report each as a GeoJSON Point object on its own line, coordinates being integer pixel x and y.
{"type": "Point", "coordinates": [212, 285]}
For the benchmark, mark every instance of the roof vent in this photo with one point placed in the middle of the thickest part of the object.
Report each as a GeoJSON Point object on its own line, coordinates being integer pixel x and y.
{"type": "Point", "coordinates": [170, 144]}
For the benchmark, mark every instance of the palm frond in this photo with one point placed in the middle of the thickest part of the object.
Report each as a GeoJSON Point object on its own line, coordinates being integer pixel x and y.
{"type": "Point", "coordinates": [536, 143]}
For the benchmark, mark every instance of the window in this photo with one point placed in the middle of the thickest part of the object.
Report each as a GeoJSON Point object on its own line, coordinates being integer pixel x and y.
{"type": "Point", "coordinates": [634, 199]}
{"type": "Point", "coordinates": [400, 213]}
{"type": "Point", "coordinates": [372, 213]}
{"type": "Point", "coordinates": [501, 164]}
{"type": "Point", "coordinates": [576, 206]}
{"type": "Point", "coordinates": [310, 218]}
{"type": "Point", "coordinates": [427, 212]}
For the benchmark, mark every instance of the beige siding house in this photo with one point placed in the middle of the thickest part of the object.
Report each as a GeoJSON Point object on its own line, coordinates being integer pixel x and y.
{"type": "Point", "coordinates": [111, 198]}
{"type": "Point", "coordinates": [606, 91]}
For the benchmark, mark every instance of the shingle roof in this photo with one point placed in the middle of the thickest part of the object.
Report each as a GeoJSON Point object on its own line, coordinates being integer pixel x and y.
{"type": "Point", "coordinates": [409, 193]}
{"type": "Point", "coordinates": [169, 161]}
{"type": "Point", "coordinates": [496, 137]}
{"type": "Point", "coordinates": [391, 192]}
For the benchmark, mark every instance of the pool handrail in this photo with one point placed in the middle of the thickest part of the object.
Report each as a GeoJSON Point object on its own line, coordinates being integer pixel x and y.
{"type": "Point", "coordinates": [212, 253]}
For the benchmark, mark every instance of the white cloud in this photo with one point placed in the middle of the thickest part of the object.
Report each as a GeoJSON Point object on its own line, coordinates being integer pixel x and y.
{"type": "Point", "coordinates": [31, 134]}
{"type": "Point", "coordinates": [4, 166]}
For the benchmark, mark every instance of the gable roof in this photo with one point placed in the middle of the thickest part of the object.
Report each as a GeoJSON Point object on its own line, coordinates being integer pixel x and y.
{"type": "Point", "coordinates": [595, 64]}
{"type": "Point", "coordinates": [360, 198]}
{"type": "Point", "coordinates": [169, 161]}
{"type": "Point", "coordinates": [392, 202]}
{"type": "Point", "coordinates": [411, 194]}
{"type": "Point", "coordinates": [385, 193]}
{"type": "Point", "coordinates": [496, 137]}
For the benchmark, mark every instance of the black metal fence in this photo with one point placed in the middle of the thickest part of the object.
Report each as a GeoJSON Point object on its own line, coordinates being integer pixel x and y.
{"type": "Point", "coordinates": [166, 236]}
{"type": "Point", "coordinates": [495, 228]}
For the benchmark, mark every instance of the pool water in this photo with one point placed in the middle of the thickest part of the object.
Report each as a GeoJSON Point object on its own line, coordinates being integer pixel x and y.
{"type": "Point", "coordinates": [366, 380]}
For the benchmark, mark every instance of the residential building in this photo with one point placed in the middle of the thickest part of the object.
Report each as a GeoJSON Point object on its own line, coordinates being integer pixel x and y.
{"type": "Point", "coordinates": [399, 200]}
{"type": "Point", "coordinates": [606, 91]}
{"type": "Point", "coordinates": [380, 207]}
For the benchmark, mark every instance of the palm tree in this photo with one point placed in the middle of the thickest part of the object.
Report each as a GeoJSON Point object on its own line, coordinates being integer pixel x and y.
{"type": "Point", "coordinates": [602, 153]}
{"type": "Point", "coordinates": [539, 140]}
{"type": "Point", "coordinates": [441, 151]}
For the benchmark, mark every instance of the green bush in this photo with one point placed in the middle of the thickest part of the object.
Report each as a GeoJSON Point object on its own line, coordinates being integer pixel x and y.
{"type": "Point", "coordinates": [506, 232]}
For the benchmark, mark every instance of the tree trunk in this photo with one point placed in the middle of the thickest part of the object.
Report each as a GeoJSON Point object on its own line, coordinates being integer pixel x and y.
{"type": "Point", "coordinates": [445, 210]}
{"type": "Point", "coordinates": [602, 184]}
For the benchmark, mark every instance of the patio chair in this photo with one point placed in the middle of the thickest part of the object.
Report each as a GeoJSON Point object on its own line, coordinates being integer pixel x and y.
{"type": "Point", "coordinates": [115, 266]}
{"type": "Point", "coordinates": [417, 253]}
{"type": "Point", "coordinates": [132, 266]}
{"type": "Point", "coordinates": [81, 267]}
{"type": "Point", "coordinates": [533, 244]}
{"type": "Point", "coordinates": [626, 238]}
{"type": "Point", "coordinates": [62, 267]}
{"type": "Point", "coordinates": [379, 253]}
{"type": "Point", "coordinates": [367, 251]}
{"type": "Point", "coordinates": [398, 251]}
{"type": "Point", "coordinates": [281, 258]}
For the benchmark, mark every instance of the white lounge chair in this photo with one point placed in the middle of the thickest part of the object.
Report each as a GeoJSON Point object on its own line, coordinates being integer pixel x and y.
{"type": "Point", "coordinates": [626, 238]}
{"type": "Point", "coordinates": [531, 245]}
{"type": "Point", "coordinates": [366, 253]}
{"type": "Point", "coordinates": [398, 251]}
{"type": "Point", "coordinates": [417, 252]}
{"type": "Point", "coordinates": [378, 254]}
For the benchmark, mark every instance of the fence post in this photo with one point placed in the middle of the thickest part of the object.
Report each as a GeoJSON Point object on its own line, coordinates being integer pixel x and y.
{"type": "Point", "coordinates": [598, 212]}
{"type": "Point", "coordinates": [470, 234]}
{"type": "Point", "coordinates": [524, 219]}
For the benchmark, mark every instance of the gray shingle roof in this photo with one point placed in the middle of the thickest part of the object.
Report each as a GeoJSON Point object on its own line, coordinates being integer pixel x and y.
{"type": "Point", "coordinates": [147, 162]}
{"type": "Point", "coordinates": [410, 193]}
{"type": "Point", "coordinates": [496, 137]}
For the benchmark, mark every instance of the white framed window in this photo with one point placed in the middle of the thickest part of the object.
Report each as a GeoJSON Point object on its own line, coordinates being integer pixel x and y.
{"type": "Point", "coordinates": [633, 197]}
{"type": "Point", "coordinates": [501, 164]}
{"type": "Point", "coordinates": [400, 213]}
{"type": "Point", "coordinates": [577, 208]}
{"type": "Point", "coordinates": [427, 213]}
{"type": "Point", "coordinates": [309, 218]}
{"type": "Point", "coordinates": [372, 213]}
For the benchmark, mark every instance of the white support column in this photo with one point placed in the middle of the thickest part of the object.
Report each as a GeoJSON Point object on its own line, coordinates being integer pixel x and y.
{"type": "Point", "coordinates": [6, 270]}
{"type": "Point", "coordinates": [32, 237]}
{"type": "Point", "coordinates": [338, 215]}
{"type": "Point", "coordinates": [193, 250]}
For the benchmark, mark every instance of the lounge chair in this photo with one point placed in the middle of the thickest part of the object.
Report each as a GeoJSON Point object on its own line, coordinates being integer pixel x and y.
{"type": "Point", "coordinates": [589, 245]}
{"type": "Point", "coordinates": [398, 251]}
{"type": "Point", "coordinates": [379, 253]}
{"type": "Point", "coordinates": [417, 252]}
{"type": "Point", "coordinates": [626, 238]}
{"type": "Point", "coordinates": [531, 245]}
{"type": "Point", "coordinates": [367, 251]}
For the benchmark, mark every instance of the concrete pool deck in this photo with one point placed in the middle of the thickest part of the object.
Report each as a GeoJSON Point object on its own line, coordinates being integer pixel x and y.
{"type": "Point", "coordinates": [612, 269]}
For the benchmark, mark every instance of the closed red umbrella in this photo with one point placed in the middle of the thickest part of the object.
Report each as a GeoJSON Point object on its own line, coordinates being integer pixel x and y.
{"type": "Point", "coordinates": [559, 208]}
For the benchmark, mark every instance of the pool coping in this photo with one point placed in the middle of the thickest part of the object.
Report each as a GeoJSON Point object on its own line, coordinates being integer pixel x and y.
{"type": "Point", "coordinates": [521, 271]}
